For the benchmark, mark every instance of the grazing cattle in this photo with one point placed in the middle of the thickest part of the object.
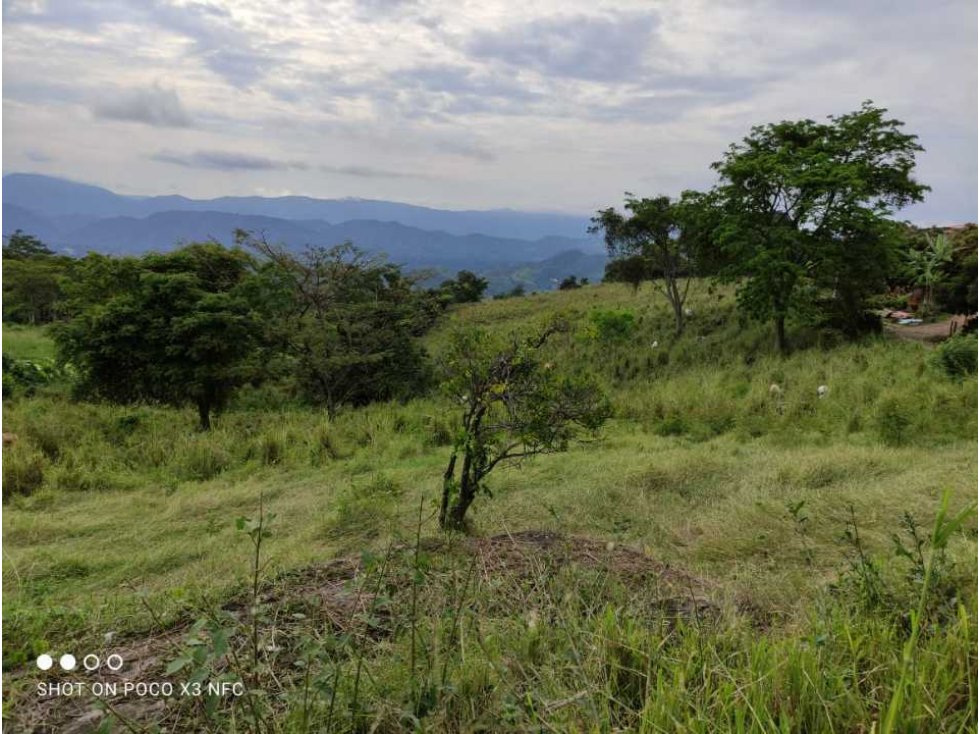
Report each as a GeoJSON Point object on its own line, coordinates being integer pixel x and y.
{"type": "Point", "coordinates": [9, 439]}
{"type": "Point", "coordinates": [822, 391]}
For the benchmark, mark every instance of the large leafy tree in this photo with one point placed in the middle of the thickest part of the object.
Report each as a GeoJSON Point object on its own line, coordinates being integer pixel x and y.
{"type": "Point", "coordinates": [656, 240]}
{"type": "Point", "coordinates": [806, 203]}
{"type": "Point", "coordinates": [515, 404]}
{"type": "Point", "coordinates": [349, 322]}
{"type": "Point", "coordinates": [176, 328]}
{"type": "Point", "coordinates": [32, 280]}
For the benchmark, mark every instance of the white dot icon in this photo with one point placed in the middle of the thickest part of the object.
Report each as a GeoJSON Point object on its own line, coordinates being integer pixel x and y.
{"type": "Point", "coordinates": [67, 661]}
{"type": "Point", "coordinates": [91, 662]}
{"type": "Point", "coordinates": [114, 662]}
{"type": "Point", "coordinates": [44, 662]}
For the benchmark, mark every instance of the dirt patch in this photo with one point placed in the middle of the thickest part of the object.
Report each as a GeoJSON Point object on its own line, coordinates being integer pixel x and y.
{"type": "Point", "coordinates": [339, 601]}
{"type": "Point", "coordinates": [925, 333]}
{"type": "Point", "coordinates": [531, 551]}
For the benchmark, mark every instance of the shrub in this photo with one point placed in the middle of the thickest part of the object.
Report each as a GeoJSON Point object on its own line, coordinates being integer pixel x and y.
{"type": "Point", "coordinates": [272, 448]}
{"type": "Point", "coordinates": [893, 421]}
{"type": "Point", "coordinates": [956, 357]}
{"type": "Point", "coordinates": [673, 425]}
{"type": "Point", "coordinates": [23, 471]}
{"type": "Point", "coordinates": [202, 460]}
{"type": "Point", "coordinates": [324, 446]}
{"type": "Point", "coordinates": [612, 324]}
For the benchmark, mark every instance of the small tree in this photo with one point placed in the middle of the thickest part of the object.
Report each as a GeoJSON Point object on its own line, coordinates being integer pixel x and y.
{"type": "Point", "coordinates": [654, 242]}
{"type": "Point", "coordinates": [515, 405]}
{"type": "Point", "coordinates": [174, 328]}
{"type": "Point", "coordinates": [22, 246]}
{"type": "Point", "coordinates": [349, 321]}
{"type": "Point", "coordinates": [466, 288]}
{"type": "Point", "coordinates": [925, 266]}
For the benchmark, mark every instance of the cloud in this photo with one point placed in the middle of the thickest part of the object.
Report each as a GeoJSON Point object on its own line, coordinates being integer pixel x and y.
{"type": "Point", "coordinates": [221, 43]}
{"type": "Point", "coordinates": [220, 160]}
{"type": "Point", "coordinates": [369, 172]}
{"type": "Point", "coordinates": [552, 104]}
{"type": "Point", "coordinates": [596, 48]}
{"type": "Point", "coordinates": [154, 106]}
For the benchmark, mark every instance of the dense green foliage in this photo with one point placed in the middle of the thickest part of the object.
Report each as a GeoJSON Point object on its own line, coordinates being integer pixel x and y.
{"type": "Point", "coordinates": [804, 209]}
{"type": "Point", "coordinates": [32, 276]}
{"type": "Point", "coordinates": [466, 287]}
{"type": "Point", "coordinates": [957, 356]}
{"type": "Point", "coordinates": [175, 328]}
{"type": "Point", "coordinates": [348, 325]}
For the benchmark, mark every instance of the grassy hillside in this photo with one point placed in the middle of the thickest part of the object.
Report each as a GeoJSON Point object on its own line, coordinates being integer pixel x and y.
{"type": "Point", "coordinates": [120, 521]}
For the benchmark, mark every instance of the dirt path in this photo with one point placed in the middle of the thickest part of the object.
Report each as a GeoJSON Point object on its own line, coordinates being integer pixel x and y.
{"type": "Point", "coordinates": [927, 333]}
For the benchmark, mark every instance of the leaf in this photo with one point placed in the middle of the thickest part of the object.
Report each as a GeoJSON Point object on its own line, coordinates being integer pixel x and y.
{"type": "Point", "coordinates": [177, 665]}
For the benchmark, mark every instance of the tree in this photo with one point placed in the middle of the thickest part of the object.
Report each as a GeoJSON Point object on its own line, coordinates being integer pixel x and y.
{"type": "Point", "coordinates": [806, 203]}
{"type": "Point", "coordinates": [32, 276]}
{"type": "Point", "coordinates": [571, 283]}
{"type": "Point", "coordinates": [633, 270]}
{"type": "Point", "coordinates": [32, 291]}
{"type": "Point", "coordinates": [349, 321]}
{"type": "Point", "coordinates": [466, 288]}
{"type": "Point", "coordinates": [925, 266]}
{"type": "Point", "coordinates": [515, 405]}
{"type": "Point", "coordinates": [957, 291]}
{"type": "Point", "coordinates": [21, 246]}
{"type": "Point", "coordinates": [173, 328]}
{"type": "Point", "coordinates": [653, 241]}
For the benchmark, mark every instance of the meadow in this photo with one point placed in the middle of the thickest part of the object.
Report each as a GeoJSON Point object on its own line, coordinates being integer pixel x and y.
{"type": "Point", "coordinates": [746, 572]}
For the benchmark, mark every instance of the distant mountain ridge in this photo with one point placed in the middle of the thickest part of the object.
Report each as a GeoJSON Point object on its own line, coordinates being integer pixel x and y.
{"type": "Point", "coordinates": [75, 218]}
{"type": "Point", "coordinates": [56, 197]}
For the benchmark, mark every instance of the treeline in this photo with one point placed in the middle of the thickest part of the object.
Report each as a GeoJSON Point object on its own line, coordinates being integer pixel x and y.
{"type": "Point", "coordinates": [337, 326]}
{"type": "Point", "coordinates": [800, 220]}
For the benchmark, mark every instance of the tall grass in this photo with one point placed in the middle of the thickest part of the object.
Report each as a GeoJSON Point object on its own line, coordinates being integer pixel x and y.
{"type": "Point", "coordinates": [113, 508]}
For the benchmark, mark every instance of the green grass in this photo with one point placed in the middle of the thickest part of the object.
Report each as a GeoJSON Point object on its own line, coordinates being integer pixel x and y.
{"type": "Point", "coordinates": [135, 509]}
{"type": "Point", "coordinates": [27, 342]}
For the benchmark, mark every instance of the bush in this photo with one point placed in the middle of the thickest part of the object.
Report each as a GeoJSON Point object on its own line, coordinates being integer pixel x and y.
{"type": "Point", "coordinates": [956, 357]}
{"type": "Point", "coordinates": [23, 471]}
{"type": "Point", "coordinates": [202, 460]}
{"type": "Point", "coordinates": [893, 421]}
{"type": "Point", "coordinates": [612, 324]}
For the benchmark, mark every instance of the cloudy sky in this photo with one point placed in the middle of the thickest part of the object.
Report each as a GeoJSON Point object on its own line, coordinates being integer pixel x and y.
{"type": "Point", "coordinates": [540, 104]}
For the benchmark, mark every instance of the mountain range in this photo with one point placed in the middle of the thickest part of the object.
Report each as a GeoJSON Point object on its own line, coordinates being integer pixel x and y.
{"type": "Point", "coordinates": [511, 246]}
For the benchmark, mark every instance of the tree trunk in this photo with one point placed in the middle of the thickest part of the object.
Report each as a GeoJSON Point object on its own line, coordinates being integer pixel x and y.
{"type": "Point", "coordinates": [780, 341]}
{"type": "Point", "coordinates": [447, 479]}
{"type": "Point", "coordinates": [204, 412]}
{"type": "Point", "coordinates": [457, 513]}
{"type": "Point", "coordinates": [677, 310]}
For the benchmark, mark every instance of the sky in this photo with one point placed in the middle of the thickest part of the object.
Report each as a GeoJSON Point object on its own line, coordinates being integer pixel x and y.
{"type": "Point", "coordinates": [558, 105]}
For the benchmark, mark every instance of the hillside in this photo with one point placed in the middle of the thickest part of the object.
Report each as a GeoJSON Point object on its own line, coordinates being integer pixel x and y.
{"type": "Point", "coordinates": [654, 578]}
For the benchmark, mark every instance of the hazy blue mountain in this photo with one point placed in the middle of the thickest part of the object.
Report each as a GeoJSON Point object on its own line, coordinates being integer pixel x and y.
{"type": "Point", "coordinates": [17, 217]}
{"type": "Point", "coordinates": [55, 197]}
{"type": "Point", "coordinates": [166, 230]}
{"type": "Point", "coordinates": [545, 275]}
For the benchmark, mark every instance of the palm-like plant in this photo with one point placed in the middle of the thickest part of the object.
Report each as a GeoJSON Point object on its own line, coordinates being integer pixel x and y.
{"type": "Point", "coordinates": [925, 266]}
